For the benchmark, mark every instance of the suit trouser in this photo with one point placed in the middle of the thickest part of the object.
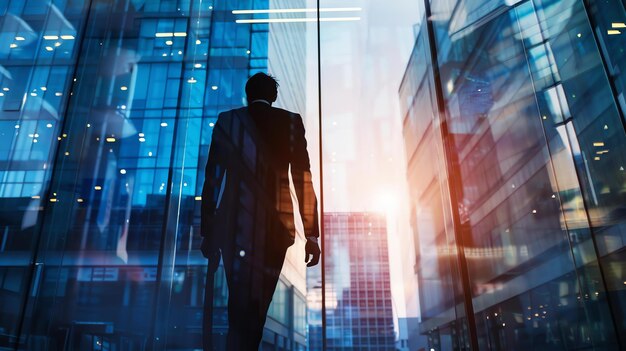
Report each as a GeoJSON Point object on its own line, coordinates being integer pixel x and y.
{"type": "Point", "coordinates": [252, 278]}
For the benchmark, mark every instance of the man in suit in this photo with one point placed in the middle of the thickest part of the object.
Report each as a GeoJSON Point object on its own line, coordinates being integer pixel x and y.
{"type": "Point", "coordinates": [247, 211]}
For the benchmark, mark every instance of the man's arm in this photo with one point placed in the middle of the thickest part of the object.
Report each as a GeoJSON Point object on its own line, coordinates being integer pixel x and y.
{"type": "Point", "coordinates": [213, 176]}
{"type": "Point", "coordinates": [303, 184]}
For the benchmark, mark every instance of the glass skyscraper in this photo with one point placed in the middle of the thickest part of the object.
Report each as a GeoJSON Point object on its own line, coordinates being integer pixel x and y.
{"type": "Point", "coordinates": [519, 223]}
{"type": "Point", "coordinates": [107, 109]}
{"type": "Point", "coordinates": [359, 310]}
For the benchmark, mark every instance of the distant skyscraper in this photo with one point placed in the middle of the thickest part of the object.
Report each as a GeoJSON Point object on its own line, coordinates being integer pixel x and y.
{"type": "Point", "coordinates": [359, 313]}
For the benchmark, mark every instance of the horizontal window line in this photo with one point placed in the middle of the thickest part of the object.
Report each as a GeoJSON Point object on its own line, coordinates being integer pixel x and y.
{"type": "Point", "coordinates": [297, 20]}
{"type": "Point", "coordinates": [336, 9]}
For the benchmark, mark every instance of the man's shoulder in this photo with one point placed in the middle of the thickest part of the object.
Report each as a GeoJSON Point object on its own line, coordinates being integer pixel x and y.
{"type": "Point", "coordinates": [230, 113]}
{"type": "Point", "coordinates": [284, 112]}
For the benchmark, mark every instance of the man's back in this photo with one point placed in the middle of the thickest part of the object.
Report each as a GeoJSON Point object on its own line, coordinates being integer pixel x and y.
{"type": "Point", "coordinates": [247, 211]}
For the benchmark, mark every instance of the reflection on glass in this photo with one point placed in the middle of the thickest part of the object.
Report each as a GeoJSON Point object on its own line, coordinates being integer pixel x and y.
{"type": "Point", "coordinates": [527, 117]}
{"type": "Point", "coordinates": [108, 108]}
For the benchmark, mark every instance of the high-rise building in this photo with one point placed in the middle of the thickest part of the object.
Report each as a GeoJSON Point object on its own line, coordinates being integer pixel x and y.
{"type": "Point", "coordinates": [106, 114]}
{"type": "Point", "coordinates": [513, 119]}
{"type": "Point", "coordinates": [359, 311]}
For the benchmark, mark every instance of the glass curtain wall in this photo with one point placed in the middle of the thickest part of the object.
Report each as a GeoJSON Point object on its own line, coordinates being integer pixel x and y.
{"type": "Point", "coordinates": [107, 112]}
{"type": "Point", "coordinates": [473, 171]}
{"type": "Point", "coordinates": [529, 128]}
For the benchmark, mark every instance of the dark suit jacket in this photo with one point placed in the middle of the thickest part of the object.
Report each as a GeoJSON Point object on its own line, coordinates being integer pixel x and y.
{"type": "Point", "coordinates": [246, 191]}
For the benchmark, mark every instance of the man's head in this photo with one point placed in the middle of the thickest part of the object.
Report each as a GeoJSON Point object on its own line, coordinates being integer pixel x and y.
{"type": "Point", "coordinates": [261, 87]}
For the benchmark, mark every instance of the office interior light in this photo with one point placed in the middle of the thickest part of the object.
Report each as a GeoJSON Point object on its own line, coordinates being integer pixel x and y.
{"type": "Point", "coordinates": [51, 37]}
{"type": "Point", "coordinates": [67, 37]}
{"type": "Point", "coordinates": [170, 34]}
{"type": "Point", "coordinates": [297, 20]}
{"type": "Point", "coordinates": [302, 10]}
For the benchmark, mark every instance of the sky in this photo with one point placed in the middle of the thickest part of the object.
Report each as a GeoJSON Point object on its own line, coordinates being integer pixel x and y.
{"type": "Point", "coordinates": [364, 163]}
{"type": "Point", "coordinates": [363, 59]}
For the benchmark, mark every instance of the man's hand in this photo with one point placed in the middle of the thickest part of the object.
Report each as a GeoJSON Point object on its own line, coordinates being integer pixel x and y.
{"type": "Point", "coordinates": [212, 254]}
{"type": "Point", "coordinates": [312, 253]}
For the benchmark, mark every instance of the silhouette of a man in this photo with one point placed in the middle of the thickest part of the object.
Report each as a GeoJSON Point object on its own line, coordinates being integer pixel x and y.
{"type": "Point", "coordinates": [247, 212]}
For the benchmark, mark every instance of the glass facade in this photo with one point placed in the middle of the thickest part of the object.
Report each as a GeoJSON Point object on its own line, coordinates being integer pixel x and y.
{"type": "Point", "coordinates": [495, 185]}
{"type": "Point", "coordinates": [107, 114]}
{"type": "Point", "coordinates": [519, 228]}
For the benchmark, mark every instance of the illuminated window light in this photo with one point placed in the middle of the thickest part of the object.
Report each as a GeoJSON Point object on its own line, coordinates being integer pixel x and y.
{"type": "Point", "coordinates": [123, 107]}
{"type": "Point", "coordinates": [180, 34]}
{"type": "Point", "coordinates": [598, 144]}
{"type": "Point", "coordinates": [5, 89]}
{"type": "Point", "coordinates": [180, 52]}
{"type": "Point", "coordinates": [142, 140]}
{"type": "Point", "coordinates": [164, 55]}
{"type": "Point", "coordinates": [169, 42]}
{"type": "Point", "coordinates": [97, 187]}
{"type": "Point", "coordinates": [67, 153]}
{"type": "Point", "coordinates": [141, 135]}
{"type": "Point", "coordinates": [579, 35]}
{"type": "Point", "coordinates": [123, 88]}
{"type": "Point", "coordinates": [198, 42]}
{"type": "Point", "coordinates": [164, 35]}
{"type": "Point", "coordinates": [534, 211]}
{"type": "Point", "coordinates": [214, 87]}
{"type": "Point", "coordinates": [35, 141]}
{"type": "Point", "coordinates": [301, 10]}
{"type": "Point", "coordinates": [211, 124]}
{"type": "Point", "coordinates": [36, 197]}
{"type": "Point", "coordinates": [67, 37]}
{"type": "Point", "coordinates": [49, 125]}
{"type": "Point", "coordinates": [79, 200]}
{"type": "Point", "coordinates": [43, 88]}
{"type": "Point", "coordinates": [122, 171]}
{"type": "Point", "coordinates": [1, 94]}
{"type": "Point", "coordinates": [13, 46]}
{"type": "Point", "coordinates": [248, 52]}
{"type": "Point", "coordinates": [51, 37]}
{"type": "Point", "coordinates": [613, 32]}
{"type": "Point", "coordinates": [297, 20]}
{"type": "Point", "coordinates": [198, 65]}
{"type": "Point", "coordinates": [53, 200]}
{"type": "Point", "coordinates": [164, 124]}
{"type": "Point", "coordinates": [191, 80]}
{"type": "Point", "coordinates": [198, 198]}
{"type": "Point", "coordinates": [618, 25]}
{"type": "Point", "coordinates": [150, 153]}
{"type": "Point", "coordinates": [597, 158]}
{"type": "Point", "coordinates": [57, 44]}
{"type": "Point", "coordinates": [110, 140]}
{"type": "Point", "coordinates": [20, 38]}
{"type": "Point", "coordinates": [33, 94]}
{"type": "Point", "coordinates": [49, 48]}
{"type": "Point", "coordinates": [58, 94]}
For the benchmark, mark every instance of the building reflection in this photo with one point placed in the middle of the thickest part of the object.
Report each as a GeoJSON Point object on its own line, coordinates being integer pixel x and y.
{"type": "Point", "coordinates": [513, 105]}
{"type": "Point", "coordinates": [107, 112]}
